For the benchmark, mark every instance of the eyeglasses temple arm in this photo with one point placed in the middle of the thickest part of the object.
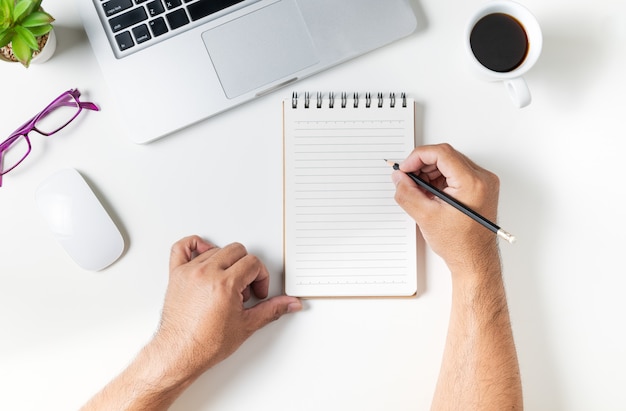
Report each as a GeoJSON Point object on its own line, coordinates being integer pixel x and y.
{"type": "Point", "coordinates": [89, 106]}
{"type": "Point", "coordinates": [86, 105]}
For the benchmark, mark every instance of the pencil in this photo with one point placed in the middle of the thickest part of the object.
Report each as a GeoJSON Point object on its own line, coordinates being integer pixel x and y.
{"type": "Point", "coordinates": [456, 204]}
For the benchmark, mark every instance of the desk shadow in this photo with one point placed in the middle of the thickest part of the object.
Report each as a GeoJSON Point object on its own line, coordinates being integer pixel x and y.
{"type": "Point", "coordinates": [211, 385]}
{"type": "Point", "coordinates": [570, 60]}
{"type": "Point", "coordinates": [524, 202]}
{"type": "Point", "coordinates": [420, 16]}
{"type": "Point", "coordinates": [69, 37]}
{"type": "Point", "coordinates": [421, 243]}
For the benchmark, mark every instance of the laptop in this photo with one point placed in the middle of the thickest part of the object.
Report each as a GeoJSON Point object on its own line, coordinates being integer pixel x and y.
{"type": "Point", "coordinates": [173, 63]}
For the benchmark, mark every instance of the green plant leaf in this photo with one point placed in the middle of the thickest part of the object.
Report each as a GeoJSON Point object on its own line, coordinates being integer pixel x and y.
{"type": "Point", "coordinates": [21, 9]}
{"type": "Point", "coordinates": [40, 30]}
{"type": "Point", "coordinates": [5, 37]}
{"type": "Point", "coordinates": [27, 37]}
{"type": "Point", "coordinates": [38, 18]}
{"type": "Point", "coordinates": [31, 6]}
{"type": "Point", "coordinates": [22, 51]}
{"type": "Point", "coordinates": [6, 12]}
{"type": "Point", "coordinates": [36, 5]}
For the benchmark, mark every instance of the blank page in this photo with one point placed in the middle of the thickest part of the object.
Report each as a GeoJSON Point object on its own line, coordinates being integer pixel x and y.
{"type": "Point", "coordinates": [344, 234]}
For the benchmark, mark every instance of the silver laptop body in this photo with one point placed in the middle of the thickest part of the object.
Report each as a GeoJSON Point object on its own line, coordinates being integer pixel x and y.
{"type": "Point", "coordinates": [172, 63]}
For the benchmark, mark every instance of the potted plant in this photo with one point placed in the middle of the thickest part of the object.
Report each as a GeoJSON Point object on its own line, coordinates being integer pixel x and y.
{"type": "Point", "coordinates": [25, 29]}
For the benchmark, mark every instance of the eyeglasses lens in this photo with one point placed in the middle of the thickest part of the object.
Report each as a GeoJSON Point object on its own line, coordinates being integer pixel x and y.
{"type": "Point", "coordinates": [14, 154]}
{"type": "Point", "coordinates": [58, 115]}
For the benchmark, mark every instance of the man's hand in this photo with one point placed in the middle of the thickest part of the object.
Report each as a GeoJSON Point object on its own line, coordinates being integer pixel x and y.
{"type": "Point", "coordinates": [459, 240]}
{"type": "Point", "coordinates": [203, 322]}
{"type": "Point", "coordinates": [480, 370]}
{"type": "Point", "coordinates": [204, 319]}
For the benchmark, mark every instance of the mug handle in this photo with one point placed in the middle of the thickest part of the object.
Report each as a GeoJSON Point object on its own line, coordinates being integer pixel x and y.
{"type": "Point", "coordinates": [519, 92]}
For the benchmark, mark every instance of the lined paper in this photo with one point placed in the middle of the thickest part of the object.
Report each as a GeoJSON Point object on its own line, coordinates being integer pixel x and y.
{"type": "Point", "coordinates": [344, 233]}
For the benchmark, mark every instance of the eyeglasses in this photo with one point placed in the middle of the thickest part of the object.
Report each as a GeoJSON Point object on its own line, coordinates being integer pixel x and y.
{"type": "Point", "coordinates": [53, 118]}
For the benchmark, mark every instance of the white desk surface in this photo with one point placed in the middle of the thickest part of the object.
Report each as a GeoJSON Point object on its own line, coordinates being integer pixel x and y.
{"type": "Point", "coordinates": [66, 332]}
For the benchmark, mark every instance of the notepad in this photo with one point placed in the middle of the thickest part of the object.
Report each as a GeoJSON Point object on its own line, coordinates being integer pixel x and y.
{"type": "Point", "coordinates": [344, 234]}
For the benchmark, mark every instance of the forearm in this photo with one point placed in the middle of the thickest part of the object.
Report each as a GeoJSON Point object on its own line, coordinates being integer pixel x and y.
{"type": "Point", "coordinates": [204, 320]}
{"type": "Point", "coordinates": [149, 383]}
{"type": "Point", "coordinates": [480, 369]}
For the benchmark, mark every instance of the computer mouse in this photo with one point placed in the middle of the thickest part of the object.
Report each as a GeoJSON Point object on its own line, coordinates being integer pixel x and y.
{"type": "Point", "coordinates": [78, 220]}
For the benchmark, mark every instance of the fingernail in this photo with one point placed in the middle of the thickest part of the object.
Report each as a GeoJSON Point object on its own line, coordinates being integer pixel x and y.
{"type": "Point", "coordinates": [294, 307]}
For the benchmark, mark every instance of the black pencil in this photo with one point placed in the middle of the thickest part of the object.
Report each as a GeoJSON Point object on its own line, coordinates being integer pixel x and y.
{"type": "Point", "coordinates": [456, 204]}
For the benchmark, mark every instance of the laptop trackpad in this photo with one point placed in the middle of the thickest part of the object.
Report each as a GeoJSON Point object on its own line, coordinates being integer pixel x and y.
{"type": "Point", "coordinates": [259, 48]}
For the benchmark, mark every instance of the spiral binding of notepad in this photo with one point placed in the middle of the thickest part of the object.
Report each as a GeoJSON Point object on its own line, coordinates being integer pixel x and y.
{"type": "Point", "coordinates": [378, 100]}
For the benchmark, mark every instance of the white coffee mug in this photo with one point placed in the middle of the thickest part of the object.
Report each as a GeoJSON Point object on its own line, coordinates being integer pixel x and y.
{"type": "Point", "coordinates": [527, 24]}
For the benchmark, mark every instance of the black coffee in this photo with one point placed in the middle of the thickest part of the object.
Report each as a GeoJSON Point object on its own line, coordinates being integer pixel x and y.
{"type": "Point", "coordinates": [499, 42]}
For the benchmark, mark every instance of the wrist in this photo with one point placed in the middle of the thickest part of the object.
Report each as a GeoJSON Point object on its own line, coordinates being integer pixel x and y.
{"type": "Point", "coordinates": [478, 286]}
{"type": "Point", "coordinates": [482, 263]}
{"type": "Point", "coordinates": [168, 363]}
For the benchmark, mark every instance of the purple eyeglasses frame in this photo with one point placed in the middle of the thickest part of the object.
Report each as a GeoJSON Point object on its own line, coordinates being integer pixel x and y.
{"type": "Point", "coordinates": [29, 126]}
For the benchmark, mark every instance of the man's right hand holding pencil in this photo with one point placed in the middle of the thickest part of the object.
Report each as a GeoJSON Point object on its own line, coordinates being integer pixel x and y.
{"type": "Point", "coordinates": [480, 368]}
{"type": "Point", "coordinates": [452, 235]}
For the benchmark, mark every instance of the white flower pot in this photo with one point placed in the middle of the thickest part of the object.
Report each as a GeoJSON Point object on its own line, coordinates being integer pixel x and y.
{"type": "Point", "coordinates": [46, 52]}
{"type": "Point", "coordinates": [48, 49]}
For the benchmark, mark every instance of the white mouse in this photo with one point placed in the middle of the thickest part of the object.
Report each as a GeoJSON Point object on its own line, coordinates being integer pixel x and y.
{"type": "Point", "coordinates": [78, 221]}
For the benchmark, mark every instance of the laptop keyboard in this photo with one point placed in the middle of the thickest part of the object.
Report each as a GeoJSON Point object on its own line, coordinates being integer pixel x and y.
{"type": "Point", "coordinates": [137, 24]}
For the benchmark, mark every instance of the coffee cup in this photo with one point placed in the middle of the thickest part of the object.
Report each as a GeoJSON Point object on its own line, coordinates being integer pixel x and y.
{"type": "Point", "coordinates": [503, 40]}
